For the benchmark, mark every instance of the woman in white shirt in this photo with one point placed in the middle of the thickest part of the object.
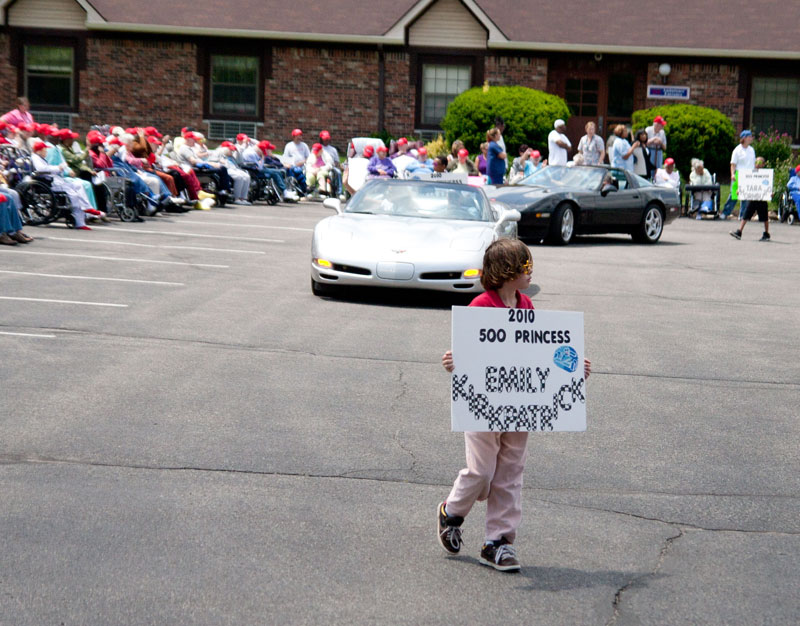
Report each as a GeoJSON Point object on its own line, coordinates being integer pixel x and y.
{"type": "Point", "coordinates": [591, 146]}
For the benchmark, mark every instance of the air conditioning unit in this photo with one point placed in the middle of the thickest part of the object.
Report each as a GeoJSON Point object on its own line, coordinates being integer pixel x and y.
{"type": "Point", "coordinates": [428, 135]}
{"type": "Point", "coordinates": [220, 130]}
{"type": "Point", "coordinates": [62, 120]}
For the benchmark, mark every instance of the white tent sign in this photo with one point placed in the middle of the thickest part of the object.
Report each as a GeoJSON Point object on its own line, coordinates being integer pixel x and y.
{"type": "Point", "coordinates": [517, 370]}
{"type": "Point", "coordinates": [754, 184]}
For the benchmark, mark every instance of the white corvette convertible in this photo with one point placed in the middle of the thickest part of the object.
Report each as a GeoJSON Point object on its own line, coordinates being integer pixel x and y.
{"type": "Point", "coordinates": [410, 234]}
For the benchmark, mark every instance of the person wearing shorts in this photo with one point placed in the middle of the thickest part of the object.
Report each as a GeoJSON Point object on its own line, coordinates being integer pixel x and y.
{"type": "Point", "coordinates": [753, 207]}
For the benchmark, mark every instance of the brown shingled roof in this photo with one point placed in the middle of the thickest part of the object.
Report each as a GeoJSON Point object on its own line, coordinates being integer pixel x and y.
{"type": "Point", "coordinates": [707, 25]}
{"type": "Point", "coordinates": [699, 24]}
{"type": "Point", "coordinates": [374, 17]}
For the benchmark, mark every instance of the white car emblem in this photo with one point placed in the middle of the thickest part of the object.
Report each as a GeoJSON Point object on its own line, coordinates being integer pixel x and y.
{"type": "Point", "coordinates": [398, 251]}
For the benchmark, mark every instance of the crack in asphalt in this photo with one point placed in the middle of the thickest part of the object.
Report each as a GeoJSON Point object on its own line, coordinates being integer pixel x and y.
{"type": "Point", "coordinates": [297, 351]}
{"type": "Point", "coordinates": [665, 548]}
{"type": "Point", "coordinates": [395, 403]}
{"type": "Point", "coordinates": [348, 475]}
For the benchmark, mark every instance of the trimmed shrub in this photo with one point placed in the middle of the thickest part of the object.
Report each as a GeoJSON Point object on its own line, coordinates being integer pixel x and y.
{"type": "Point", "coordinates": [528, 113]}
{"type": "Point", "coordinates": [437, 147]}
{"type": "Point", "coordinates": [694, 132]}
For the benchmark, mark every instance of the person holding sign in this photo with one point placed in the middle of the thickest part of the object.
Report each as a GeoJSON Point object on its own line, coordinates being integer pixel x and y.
{"type": "Point", "coordinates": [753, 207]}
{"type": "Point", "coordinates": [743, 157]}
{"type": "Point", "coordinates": [495, 460]}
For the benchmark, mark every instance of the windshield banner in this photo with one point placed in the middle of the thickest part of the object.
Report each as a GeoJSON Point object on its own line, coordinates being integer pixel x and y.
{"type": "Point", "coordinates": [517, 370]}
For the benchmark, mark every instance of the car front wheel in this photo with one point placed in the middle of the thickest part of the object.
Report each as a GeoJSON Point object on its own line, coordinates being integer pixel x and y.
{"type": "Point", "coordinates": [652, 225]}
{"type": "Point", "coordinates": [562, 226]}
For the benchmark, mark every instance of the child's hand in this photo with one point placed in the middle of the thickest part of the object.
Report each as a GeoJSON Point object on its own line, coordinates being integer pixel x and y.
{"type": "Point", "coordinates": [587, 368]}
{"type": "Point", "coordinates": [447, 361]}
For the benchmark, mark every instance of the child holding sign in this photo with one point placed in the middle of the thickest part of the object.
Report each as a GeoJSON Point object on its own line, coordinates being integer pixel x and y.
{"type": "Point", "coordinates": [495, 460]}
{"type": "Point", "coordinates": [753, 207]}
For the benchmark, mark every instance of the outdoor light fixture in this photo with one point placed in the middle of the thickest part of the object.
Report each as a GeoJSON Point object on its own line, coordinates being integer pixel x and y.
{"type": "Point", "coordinates": [664, 69]}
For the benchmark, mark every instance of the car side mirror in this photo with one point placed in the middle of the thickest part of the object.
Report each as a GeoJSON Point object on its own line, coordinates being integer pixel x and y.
{"type": "Point", "coordinates": [332, 203]}
{"type": "Point", "coordinates": [607, 189]}
{"type": "Point", "coordinates": [509, 215]}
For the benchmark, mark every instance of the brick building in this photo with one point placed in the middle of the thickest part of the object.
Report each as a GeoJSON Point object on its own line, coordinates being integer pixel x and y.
{"type": "Point", "coordinates": [265, 67]}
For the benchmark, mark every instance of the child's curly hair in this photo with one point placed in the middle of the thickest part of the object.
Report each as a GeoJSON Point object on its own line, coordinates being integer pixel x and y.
{"type": "Point", "coordinates": [504, 260]}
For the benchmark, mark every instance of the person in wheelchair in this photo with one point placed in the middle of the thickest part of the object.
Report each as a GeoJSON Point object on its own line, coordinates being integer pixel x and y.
{"type": "Point", "coordinates": [191, 154]}
{"type": "Point", "coordinates": [318, 167]}
{"type": "Point", "coordinates": [54, 178]}
{"type": "Point", "coordinates": [142, 149]}
{"type": "Point", "coordinates": [55, 156]}
{"type": "Point", "coordinates": [260, 161]}
{"type": "Point", "coordinates": [224, 157]}
{"type": "Point", "coordinates": [793, 187]}
{"type": "Point", "coordinates": [702, 201]}
{"type": "Point", "coordinates": [422, 162]}
{"type": "Point", "coordinates": [380, 165]}
{"type": "Point", "coordinates": [295, 155]}
{"type": "Point", "coordinates": [336, 170]}
{"type": "Point", "coordinates": [107, 158]}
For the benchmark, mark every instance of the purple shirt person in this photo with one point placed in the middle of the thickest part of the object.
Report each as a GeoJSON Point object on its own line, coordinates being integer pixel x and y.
{"type": "Point", "coordinates": [381, 165]}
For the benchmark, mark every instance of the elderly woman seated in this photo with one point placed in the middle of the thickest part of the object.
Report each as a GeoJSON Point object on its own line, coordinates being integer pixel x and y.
{"type": "Point", "coordinates": [380, 165]}
{"type": "Point", "coordinates": [79, 202]}
{"type": "Point", "coordinates": [702, 201]}
{"type": "Point", "coordinates": [318, 168]}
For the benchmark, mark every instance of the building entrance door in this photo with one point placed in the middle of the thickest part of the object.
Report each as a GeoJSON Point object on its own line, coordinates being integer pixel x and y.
{"type": "Point", "coordinates": [595, 91]}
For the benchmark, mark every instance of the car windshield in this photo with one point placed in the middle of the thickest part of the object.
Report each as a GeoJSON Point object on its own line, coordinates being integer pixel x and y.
{"type": "Point", "coordinates": [421, 199]}
{"type": "Point", "coordinates": [587, 178]}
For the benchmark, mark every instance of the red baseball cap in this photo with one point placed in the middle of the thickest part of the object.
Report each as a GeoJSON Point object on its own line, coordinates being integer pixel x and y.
{"type": "Point", "coordinates": [402, 141]}
{"type": "Point", "coordinates": [151, 131]}
{"type": "Point", "coordinates": [369, 151]}
{"type": "Point", "coordinates": [94, 140]}
{"type": "Point", "coordinates": [242, 137]}
{"type": "Point", "coordinates": [324, 135]}
{"type": "Point", "coordinates": [382, 149]}
{"type": "Point", "coordinates": [189, 135]}
{"type": "Point", "coordinates": [227, 144]}
{"type": "Point", "coordinates": [423, 151]}
{"type": "Point", "coordinates": [536, 154]}
{"type": "Point", "coordinates": [264, 145]}
{"type": "Point", "coordinates": [3, 125]}
{"type": "Point", "coordinates": [316, 148]}
{"type": "Point", "coordinates": [797, 169]}
{"type": "Point", "coordinates": [114, 141]}
{"type": "Point", "coordinates": [153, 139]}
{"type": "Point", "coordinates": [296, 132]}
{"type": "Point", "coordinates": [669, 161]}
{"type": "Point", "coordinates": [659, 120]}
{"type": "Point", "coordinates": [39, 145]}
{"type": "Point", "coordinates": [25, 127]}
{"type": "Point", "coordinates": [463, 152]}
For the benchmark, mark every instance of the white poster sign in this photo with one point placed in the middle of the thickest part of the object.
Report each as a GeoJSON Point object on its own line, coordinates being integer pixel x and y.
{"type": "Point", "coordinates": [441, 177]}
{"type": "Point", "coordinates": [517, 370]}
{"type": "Point", "coordinates": [754, 184]}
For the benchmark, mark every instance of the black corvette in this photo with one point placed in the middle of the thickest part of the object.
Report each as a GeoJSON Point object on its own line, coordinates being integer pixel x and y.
{"type": "Point", "coordinates": [558, 202]}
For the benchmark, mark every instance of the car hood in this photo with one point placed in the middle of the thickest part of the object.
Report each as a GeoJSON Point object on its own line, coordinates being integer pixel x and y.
{"type": "Point", "coordinates": [381, 233]}
{"type": "Point", "coordinates": [522, 195]}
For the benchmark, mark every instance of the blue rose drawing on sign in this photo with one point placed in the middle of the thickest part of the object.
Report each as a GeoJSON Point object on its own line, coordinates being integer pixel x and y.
{"type": "Point", "coordinates": [566, 358]}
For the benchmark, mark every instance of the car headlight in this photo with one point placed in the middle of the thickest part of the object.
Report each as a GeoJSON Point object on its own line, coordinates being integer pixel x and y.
{"type": "Point", "coordinates": [471, 273]}
{"type": "Point", "coordinates": [323, 263]}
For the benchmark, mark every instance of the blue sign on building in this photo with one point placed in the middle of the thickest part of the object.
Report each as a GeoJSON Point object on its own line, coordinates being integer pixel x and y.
{"type": "Point", "coordinates": [667, 92]}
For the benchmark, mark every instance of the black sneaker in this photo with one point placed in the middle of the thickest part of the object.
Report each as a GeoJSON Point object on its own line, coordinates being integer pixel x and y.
{"type": "Point", "coordinates": [764, 237]}
{"type": "Point", "coordinates": [736, 234]}
{"type": "Point", "coordinates": [448, 529]}
{"type": "Point", "coordinates": [500, 555]}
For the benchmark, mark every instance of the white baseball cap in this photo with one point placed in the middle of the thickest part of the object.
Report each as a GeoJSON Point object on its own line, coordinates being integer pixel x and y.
{"type": "Point", "coordinates": [558, 122]}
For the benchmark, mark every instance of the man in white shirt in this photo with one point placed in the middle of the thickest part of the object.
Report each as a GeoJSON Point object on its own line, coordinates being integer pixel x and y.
{"type": "Point", "coordinates": [336, 170]}
{"type": "Point", "coordinates": [668, 176]}
{"type": "Point", "coordinates": [657, 140]}
{"type": "Point", "coordinates": [743, 157]}
{"type": "Point", "coordinates": [295, 155]}
{"type": "Point", "coordinates": [558, 144]}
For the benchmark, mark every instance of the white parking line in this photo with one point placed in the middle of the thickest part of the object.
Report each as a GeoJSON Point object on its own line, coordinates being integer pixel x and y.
{"type": "Point", "coordinates": [172, 233]}
{"type": "Point", "coordinates": [2, 332]}
{"type": "Point", "coordinates": [151, 245]}
{"type": "Point", "coordinates": [113, 258]}
{"type": "Point", "coordinates": [119, 280]}
{"type": "Point", "coordinates": [119, 306]}
{"type": "Point", "coordinates": [303, 230]}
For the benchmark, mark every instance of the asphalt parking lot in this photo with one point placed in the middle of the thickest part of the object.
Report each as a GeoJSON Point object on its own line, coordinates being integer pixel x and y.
{"type": "Point", "coordinates": [188, 436]}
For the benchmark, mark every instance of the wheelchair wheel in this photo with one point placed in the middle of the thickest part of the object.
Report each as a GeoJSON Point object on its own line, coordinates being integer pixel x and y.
{"type": "Point", "coordinates": [127, 213]}
{"type": "Point", "coordinates": [38, 203]}
{"type": "Point", "coordinates": [783, 207]}
{"type": "Point", "coordinates": [273, 193]}
{"type": "Point", "coordinates": [791, 219]}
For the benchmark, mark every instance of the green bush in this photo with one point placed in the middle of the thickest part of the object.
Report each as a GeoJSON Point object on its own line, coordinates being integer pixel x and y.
{"type": "Point", "coordinates": [528, 113]}
{"type": "Point", "coordinates": [694, 132]}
